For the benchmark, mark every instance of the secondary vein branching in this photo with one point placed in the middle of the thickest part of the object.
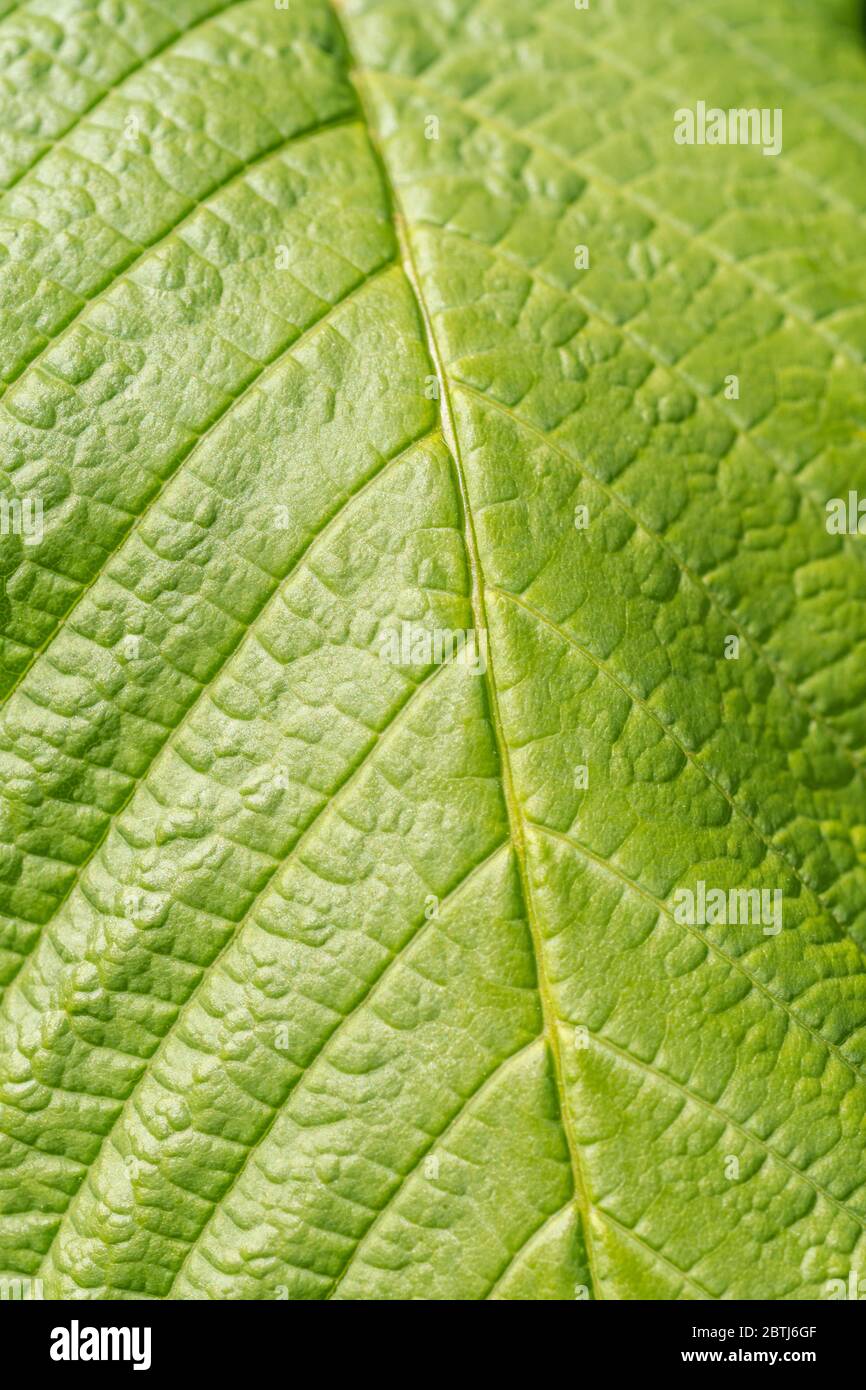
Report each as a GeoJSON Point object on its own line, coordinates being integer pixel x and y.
{"type": "Point", "coordinates": [273, 363]}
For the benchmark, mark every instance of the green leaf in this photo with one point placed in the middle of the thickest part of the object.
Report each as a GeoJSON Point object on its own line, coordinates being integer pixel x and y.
{"type": "Point", "coordinates": [423, 616]}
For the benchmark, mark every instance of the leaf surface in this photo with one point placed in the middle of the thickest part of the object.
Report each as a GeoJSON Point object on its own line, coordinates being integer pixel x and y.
{"type": "Point", "coordinates": [333, 976]}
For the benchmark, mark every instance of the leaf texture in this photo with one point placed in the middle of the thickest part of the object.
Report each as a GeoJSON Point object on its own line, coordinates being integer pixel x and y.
{"type": "Point", "coordinates": [327, 976]}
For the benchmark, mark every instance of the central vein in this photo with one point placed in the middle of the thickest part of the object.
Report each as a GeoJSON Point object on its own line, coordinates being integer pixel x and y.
{"type": "Point", "coordinates": [479, 612]}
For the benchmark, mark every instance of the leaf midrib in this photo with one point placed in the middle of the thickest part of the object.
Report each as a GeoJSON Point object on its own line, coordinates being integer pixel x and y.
{"type": "Point", "coordinates": [477, 601]}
